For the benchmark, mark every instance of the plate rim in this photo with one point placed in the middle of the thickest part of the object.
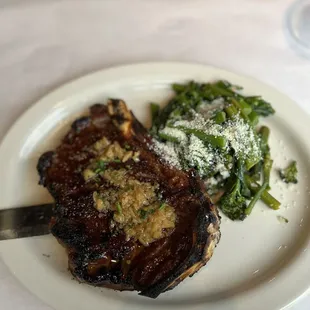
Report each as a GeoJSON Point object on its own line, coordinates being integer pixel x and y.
{"type": "Point", "coordinates": [87, 80]}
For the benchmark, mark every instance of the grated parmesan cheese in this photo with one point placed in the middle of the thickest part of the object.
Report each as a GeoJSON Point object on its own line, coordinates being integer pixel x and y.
{"type": "Point", "coordinates": [208, 109]}
{"type": "Point", "coordinates": [191, 152]}
{"type": "Point", "coordinates": [199, 155]}
{"type": "Point", "coordinates": [237, 132]}
{"type": "Point", "coordinates": [167, 152]}
{"type": "Point", "coordinates": [176, 133]}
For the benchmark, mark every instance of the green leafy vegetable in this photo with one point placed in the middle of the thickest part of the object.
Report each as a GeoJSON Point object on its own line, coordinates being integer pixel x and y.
{"type": "Point", "coordinates": [289, 174]}
{"type": "Point", "coordinates": [268, 199]}
{"type": "Point", "coordinates": [220, 117]}
{"type": "Point", "coordinates": [239, 170]}
{"type": "Point", "coordinates": [253, 118]}
{"type": "Point", "coordinates": [267, 165]}
{"type": "Point", "coordinates": [232, 203]}
{"type": "Point", "coordinates": [215, 141]}
{"type": "Point", "coordinates": [189, 97]}
{"type": "Point", "coordinates": [267, 161]}
{"type": "Point", "coordinates": [260, 106]}
{"type": "Point", "coordinates": [227, 112]}
{"type": "Point", "coordinates": [167, 137]}
{"type": "Point", "coordinates": [264, 135]}
{"type": "Point", "coordinates": [256, 197]}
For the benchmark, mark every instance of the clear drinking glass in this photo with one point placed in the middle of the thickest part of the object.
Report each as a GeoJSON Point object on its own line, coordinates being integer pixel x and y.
{"type": "Point", "coordinates": [298, 26]}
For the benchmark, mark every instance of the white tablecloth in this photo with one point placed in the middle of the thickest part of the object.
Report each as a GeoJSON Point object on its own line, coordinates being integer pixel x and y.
{"type": "Point", "coordinates": [45, 43]}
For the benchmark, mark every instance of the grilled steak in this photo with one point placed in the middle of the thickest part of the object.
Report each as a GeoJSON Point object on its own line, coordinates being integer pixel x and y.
{"type": "Point", "coordinates": [127, 219]}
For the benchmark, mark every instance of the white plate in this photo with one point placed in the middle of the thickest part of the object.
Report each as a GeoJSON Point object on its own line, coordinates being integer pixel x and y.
{"type": "Point", "coordinates": [259, 263]}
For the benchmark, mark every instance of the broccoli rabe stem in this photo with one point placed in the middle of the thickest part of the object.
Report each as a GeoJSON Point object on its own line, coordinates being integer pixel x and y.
{"type": "Point", "coordinates": [260, 106]}
{"type": "Point", "coordinates": [243, 112]}
{"type": "Point", "coordinates": [251, 162]}
{"type": "Point", "coordinates": [215, 141]}
{"type": "Point", "coordinates": [256, 197]}
{"type": "Point", "coordinates": [256, 171]}
{"type": "Point", "coordinates": [245, 107]}
{"type": "Point", "coordinates": [167, 137]}
{"type": "Point", "coordinates": [218, 91]}
{"type": "Point", "coordinates": [253, 118]}
{"type": "Point", "coordinates": [267, 161]}
{"type": "Point", "coordinates": [268, 199]}
{"type": "Point", "coordinates": [267, 165]}
{"type": "Point", "coordinates": [220, 117]}
{"type": "Point", "coordinates": [264, 135]}
{"type": "Point", "coordinates": [231, 111]}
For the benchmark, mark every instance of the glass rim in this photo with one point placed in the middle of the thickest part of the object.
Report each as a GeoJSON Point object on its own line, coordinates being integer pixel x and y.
{"type": "Point", "coordinates": [300, 44]}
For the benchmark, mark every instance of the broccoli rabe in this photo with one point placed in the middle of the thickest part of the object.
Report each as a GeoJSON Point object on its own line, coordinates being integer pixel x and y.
{"type": "Point", "coordinates": [250, 103]}
{"type": "Point", "coordinates": [190, 95]}
{"type": "Point", "coordinates": [229, 116]}
{"type": "Point", "coordinates": [289, 174]}
{"type": "Point", "coordinates": [233, 204]}
{"type": "Point", "coordinates": [260, 106]}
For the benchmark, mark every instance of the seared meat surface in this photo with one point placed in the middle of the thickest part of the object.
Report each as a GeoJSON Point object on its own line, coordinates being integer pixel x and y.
{"type": "Point", "coordinates": [127, 220]}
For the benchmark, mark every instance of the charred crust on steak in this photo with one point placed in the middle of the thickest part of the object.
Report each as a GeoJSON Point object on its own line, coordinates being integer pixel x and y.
{"type": "Point", "coordinates": [44, 163]}
{"type": "Point", "coordinates": [80, 124]}
{"type": "Point", "coordinates": [101, 254]}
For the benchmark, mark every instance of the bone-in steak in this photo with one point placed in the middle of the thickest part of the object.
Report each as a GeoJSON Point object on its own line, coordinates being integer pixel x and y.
{"type": "Point", "coordinates": [127, 219]}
